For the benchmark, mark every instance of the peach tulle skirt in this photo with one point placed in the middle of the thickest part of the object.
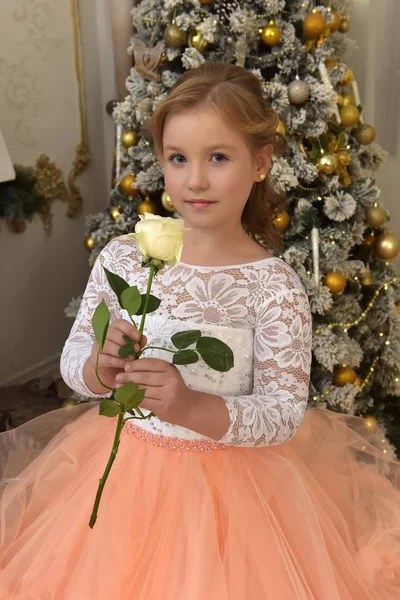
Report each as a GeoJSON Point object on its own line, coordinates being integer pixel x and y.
{"type": "Point", "coordinates": [317, 518]}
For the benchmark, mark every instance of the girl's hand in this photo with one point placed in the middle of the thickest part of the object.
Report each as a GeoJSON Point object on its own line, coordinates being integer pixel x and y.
{"type": "Point", "coordinates": [166, 395]}
{"type": "Point", "coordinates": [110, 363]}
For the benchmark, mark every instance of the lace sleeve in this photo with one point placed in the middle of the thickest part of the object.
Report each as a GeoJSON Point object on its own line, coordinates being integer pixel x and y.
{"type": "Point", "coordinates": [78, 346]}
{"type": "Point", "coordinates": [274, 411]}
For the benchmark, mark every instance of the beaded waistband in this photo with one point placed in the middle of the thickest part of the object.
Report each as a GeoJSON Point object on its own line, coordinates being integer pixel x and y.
{"type": "Point", "coordinates": [172, 443]}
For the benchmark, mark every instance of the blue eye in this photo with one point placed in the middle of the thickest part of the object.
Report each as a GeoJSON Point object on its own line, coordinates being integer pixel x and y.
{"type": "Point", "coordinates": [219, 157]}
{"type": "Point", "coordinates": [176, 159]}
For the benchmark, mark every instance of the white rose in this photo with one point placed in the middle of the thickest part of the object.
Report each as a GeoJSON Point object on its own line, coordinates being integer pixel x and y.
{"type": "Point", "coordinates": [160, 238]}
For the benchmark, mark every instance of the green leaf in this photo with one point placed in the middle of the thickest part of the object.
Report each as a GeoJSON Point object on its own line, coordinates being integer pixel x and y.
{"type": "Point", "coordinates": [183, 339]}
{"type": "Point", "coordinates": [130, 300]}
{"type": "Point", "coordinates": [136, 399]}
{"type": "Point", "coordinates": [128, 349]}
{"type": "Point", "coordinates": [108, 408]}
{"type": "Point", "coordinates": [117, 283]}
{"type": "Point", "coordinates": [154, 303]}
{"type": "Point", "coordinates": [126, 394]}
{"type": "Point", "coordinates": [185, 357]}
{"type": "Point", "coordinates": [100, 323]}
{"type": "Point", "coordinates": [215, 354]}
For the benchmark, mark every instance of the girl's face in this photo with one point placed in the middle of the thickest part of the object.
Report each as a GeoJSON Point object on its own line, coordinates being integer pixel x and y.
{"type": "Point", "coordinates": [208, 168]}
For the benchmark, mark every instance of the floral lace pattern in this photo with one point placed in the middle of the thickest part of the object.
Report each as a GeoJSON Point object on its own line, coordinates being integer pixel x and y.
{"type": "Point", "coordinates": [259, 309]}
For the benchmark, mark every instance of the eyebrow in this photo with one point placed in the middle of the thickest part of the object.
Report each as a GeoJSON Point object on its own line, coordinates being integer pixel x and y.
{"type": "Point", "coordinates": [209, 148]}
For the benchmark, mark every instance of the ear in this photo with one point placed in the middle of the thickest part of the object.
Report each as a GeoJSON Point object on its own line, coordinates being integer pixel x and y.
{"type": "Point", "coordinates": [262, 162]}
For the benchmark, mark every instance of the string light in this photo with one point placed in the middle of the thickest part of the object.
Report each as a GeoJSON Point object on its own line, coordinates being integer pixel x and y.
{"type": "Point", "coordinates": [307, 189]}
{"type": "Point", "coordinates": [361, 387]}
{"type": "Point", "coordinates": [363, 315]}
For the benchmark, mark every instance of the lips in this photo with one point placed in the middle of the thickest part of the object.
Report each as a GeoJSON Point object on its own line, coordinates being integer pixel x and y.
{"type": "Point", "coordinates": [200, 203]}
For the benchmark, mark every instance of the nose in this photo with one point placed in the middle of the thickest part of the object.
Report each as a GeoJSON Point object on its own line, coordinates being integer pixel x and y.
{"type": "Point", "coordinates": [198, 178]}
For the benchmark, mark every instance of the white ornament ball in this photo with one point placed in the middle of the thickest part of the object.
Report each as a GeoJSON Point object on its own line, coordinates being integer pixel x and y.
{"type": "Point", "coordinates": [298, 91]}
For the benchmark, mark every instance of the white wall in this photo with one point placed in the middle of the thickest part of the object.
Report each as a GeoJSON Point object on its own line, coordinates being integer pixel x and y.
{"type": "Point", "coordinates": [39, 275]}
{"type": "Point", "coordinates": [376, 65]}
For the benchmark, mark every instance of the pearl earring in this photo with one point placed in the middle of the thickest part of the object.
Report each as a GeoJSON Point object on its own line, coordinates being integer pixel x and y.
{"type": "Point", "coordinates": [261, 177]}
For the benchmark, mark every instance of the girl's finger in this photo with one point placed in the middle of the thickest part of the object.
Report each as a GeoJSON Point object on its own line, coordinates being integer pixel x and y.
{"type": "Point", "coordinates": [116, 336]}
{"type": "Point", "coordinates": [125, 328]}
{"type": "Point", "coordinates": [143, 379]}
{"type": "Point", "coordinates": [143, 341]}
{"type": "Point", "coordinates": [150, 364]}
{"type": "Point", "coordinates": [121, 328]}
{"type": "Point", "coordinates": [113, 348]}
{"type": "Point", "coordinates": [107, 361]}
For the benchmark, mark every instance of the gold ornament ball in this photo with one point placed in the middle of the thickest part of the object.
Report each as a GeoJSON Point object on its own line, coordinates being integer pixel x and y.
{"type": "Point", "coordinates": [163, 58]}
{"type": "Point", "coordinates": [309, 45]}
{"type": "Point", "coordinates": [89, 242]}
{"type": "Point", "coordinates": [330, 63]}
{"type": "Point", "coordinates": [129, 138]}
{"type": "Point", "coordinates": [174, 37]}
{"type": "Point", "coordinates": [126, 185]}
{"type": "Point", "coordinates": [282, 128]}
{"type": "Point", "coordinates": [344, 375]}
{"type": "Point", "coordinates": [367, 278]}
{"type": "Point", "coordinates": [347, 79]}
{"type": "Point", "coordinates": [326, 33]}
{"type": "Point", "coordinates": [387, 246]}
{"type": "Point", "coordinates": [348, 99]}
{"type": "Point", "coordinates": [335, 281]}
{"type": "Point", "coordinates": [327, 164]}
{"type": "Point", "coordinates": [344, 26]}
{"type": "Point", "coordinates": [335, 21]}
{"type": "Point", "coordinates": [166, 202]}
{"type": "Point", "coordinates": [369, 239]}
{"type": "Point", "coordinates": [270, 34]}
{"type": "Point", "coordinates": [196, 40]}
{"type": "Point", "coordinates": [115, 212]}
{"type": "Point", "coordinates": [314, 25]}
{"type": "Point", "coordinates": [339, 99]}
{"type": "Point", "coordinates": [365, 134]}
{"type": "Point", "coordinates": [282, 221]}
{"type": "Point", "coordinates": [147, 206]}
{"type": "Point", "coordinates": [376, 216]}
{"type": "Point", "coordinates": [358, 381]}
{"type": "Point", "coordinates": [349, 115]}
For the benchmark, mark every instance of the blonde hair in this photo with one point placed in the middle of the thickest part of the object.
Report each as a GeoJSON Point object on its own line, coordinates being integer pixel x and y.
{"type": "Point", "coordinates": [236, 94]}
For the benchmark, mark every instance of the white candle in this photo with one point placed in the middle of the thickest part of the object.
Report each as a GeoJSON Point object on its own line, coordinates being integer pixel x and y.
{"type": "Point", "coordinates": [315, 253]}
{"type": "Point", "coordinates": [118, 156]}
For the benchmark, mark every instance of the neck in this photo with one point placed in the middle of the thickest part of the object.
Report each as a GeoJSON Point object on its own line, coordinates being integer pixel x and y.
{"type": "Point", "coordinates": [213, 247]}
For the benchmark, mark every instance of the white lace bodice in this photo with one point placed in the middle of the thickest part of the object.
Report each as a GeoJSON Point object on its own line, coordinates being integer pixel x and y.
{"type": "Point", "coordinates": [259, 309]}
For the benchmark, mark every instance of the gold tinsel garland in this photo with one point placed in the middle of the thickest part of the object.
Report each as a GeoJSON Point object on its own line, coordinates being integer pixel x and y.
{"type": "Point", "coordinates": [347, 326]}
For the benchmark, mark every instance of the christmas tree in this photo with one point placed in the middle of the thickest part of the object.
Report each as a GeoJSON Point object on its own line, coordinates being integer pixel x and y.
{"type": "Point", "coordinates": [335, 228]}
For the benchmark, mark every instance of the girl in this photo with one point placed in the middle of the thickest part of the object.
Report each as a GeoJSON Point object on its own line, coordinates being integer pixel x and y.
{"type": "Point", "coordinates": [233, 491]}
